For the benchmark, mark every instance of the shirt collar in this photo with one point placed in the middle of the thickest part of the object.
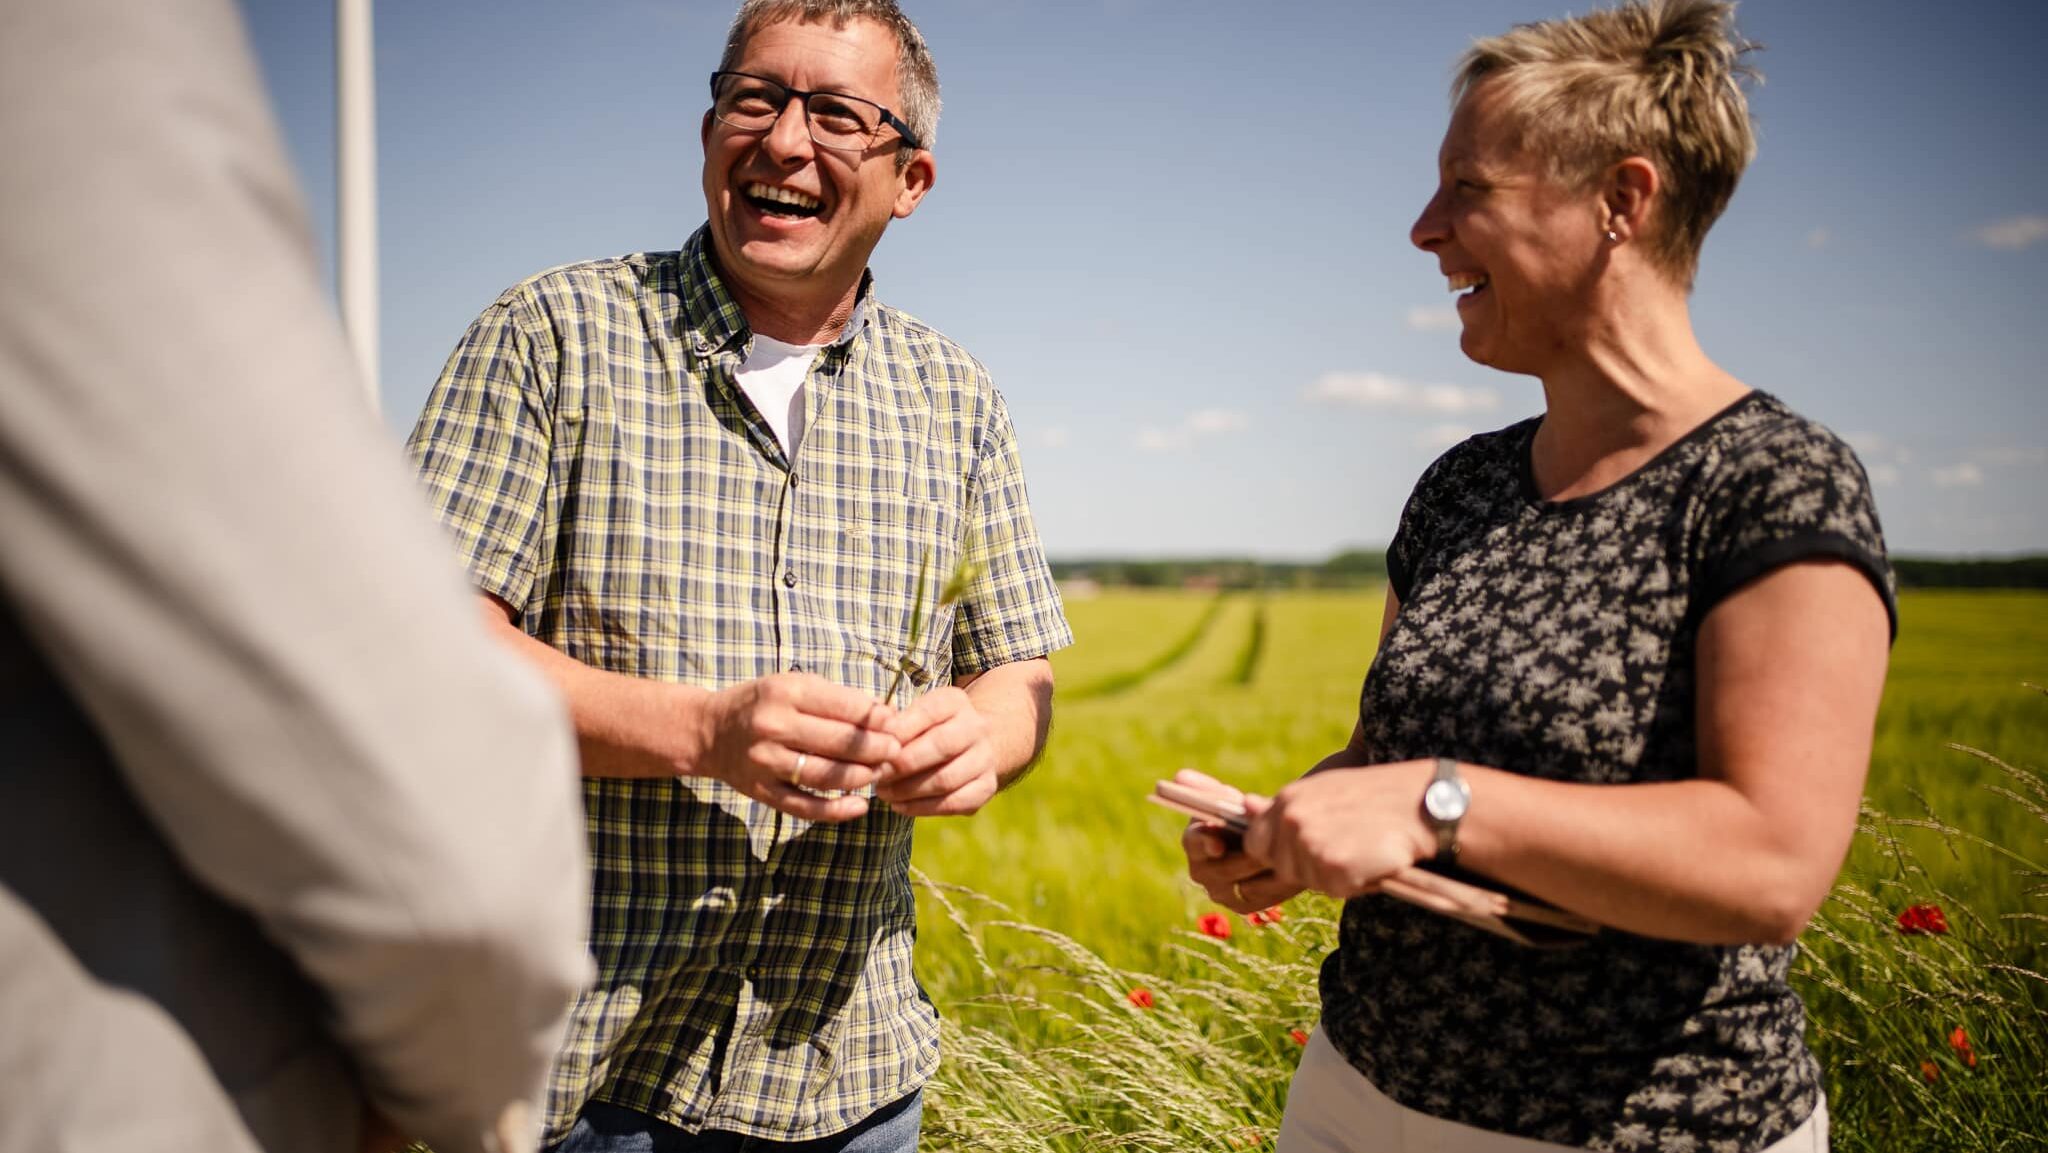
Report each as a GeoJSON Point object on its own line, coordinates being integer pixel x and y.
{"type": "Point", "coordinates": [714, 317]}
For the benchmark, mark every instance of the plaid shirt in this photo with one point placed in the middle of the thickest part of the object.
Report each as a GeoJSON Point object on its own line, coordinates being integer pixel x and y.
{"type": "Point", "coordinates": [605, 476]}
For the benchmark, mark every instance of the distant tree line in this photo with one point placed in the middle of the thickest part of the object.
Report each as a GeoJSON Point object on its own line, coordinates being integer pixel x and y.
{"type": "Point", "coordinates": [1353, 568]}
{"type": "Point", "coordinates": [1356, 568]}
{"type": "Point", "coordinates": [2026, 572]}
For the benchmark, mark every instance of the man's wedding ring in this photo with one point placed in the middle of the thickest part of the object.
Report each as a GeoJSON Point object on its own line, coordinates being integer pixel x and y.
{"type": "Point", "coordinates": [796, 775]}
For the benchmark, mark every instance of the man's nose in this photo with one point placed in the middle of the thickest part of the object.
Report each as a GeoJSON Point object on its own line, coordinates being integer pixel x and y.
{"type": "Point", "coordinates": [789, 138]}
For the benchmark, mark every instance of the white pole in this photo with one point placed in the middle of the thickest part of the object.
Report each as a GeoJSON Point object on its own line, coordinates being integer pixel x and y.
{"type": "Point", "coordinates": [355, 241]}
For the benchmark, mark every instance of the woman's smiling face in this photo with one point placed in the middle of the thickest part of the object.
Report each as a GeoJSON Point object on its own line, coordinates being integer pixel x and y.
{"type": "Point", "coordinates": [1521, 248]}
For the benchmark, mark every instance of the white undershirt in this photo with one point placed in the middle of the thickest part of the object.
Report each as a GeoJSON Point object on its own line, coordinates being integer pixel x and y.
{"type": "Point", "coordinates": [773, 378]}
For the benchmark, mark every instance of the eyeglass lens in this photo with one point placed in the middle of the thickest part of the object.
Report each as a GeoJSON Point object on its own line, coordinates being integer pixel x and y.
{"type": "Point", "coordinates": [835, 121]}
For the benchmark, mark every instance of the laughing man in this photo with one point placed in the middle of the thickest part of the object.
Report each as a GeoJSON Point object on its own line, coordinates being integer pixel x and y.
{"type": "Point", "coordinates": [697, 488]}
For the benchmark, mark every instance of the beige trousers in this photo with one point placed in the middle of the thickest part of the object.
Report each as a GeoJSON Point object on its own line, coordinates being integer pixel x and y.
{"type": "Point", "coordinates": [1332, 1108]}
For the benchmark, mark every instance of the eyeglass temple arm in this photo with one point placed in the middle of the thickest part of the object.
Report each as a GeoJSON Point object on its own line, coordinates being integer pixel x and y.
{"type": "Point", "coordinates": [902, 129]}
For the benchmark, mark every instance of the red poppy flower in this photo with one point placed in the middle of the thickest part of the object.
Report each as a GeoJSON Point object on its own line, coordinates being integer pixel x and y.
{"type": "Point", "coordinates": [1960, 1042]}
{"type": "Point", "coordinates": [1299, 1037]}
{"type": "Point", "coordinates": [1270, 916]}
{"type": "Point", "coordinates": [1928, 1071]}
{"type": "Point", "coordinates": [1917, 919]}
{"type": "Point", "coordinates": [1215, 925]}
{"type": "Point", "coordinates": [1141, 997]}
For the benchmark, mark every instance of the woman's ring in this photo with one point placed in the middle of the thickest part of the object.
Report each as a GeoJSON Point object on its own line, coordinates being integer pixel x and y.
{"type": "Point", "coordinates": [1237, 890]}
{"type": "Point", "coordinates": [796, 775]}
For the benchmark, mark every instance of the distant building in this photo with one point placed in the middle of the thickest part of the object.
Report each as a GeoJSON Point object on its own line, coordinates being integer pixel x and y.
{"type": "Point", "coordinates": [1080, 588]}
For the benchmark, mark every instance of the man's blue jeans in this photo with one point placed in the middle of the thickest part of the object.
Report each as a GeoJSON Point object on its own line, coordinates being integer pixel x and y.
{"type": "Point", "coordinates": [605, 1128]}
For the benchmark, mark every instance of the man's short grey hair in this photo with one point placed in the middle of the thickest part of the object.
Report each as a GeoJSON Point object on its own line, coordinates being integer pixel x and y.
{"type": "Point", "coordinates": [917, 77]}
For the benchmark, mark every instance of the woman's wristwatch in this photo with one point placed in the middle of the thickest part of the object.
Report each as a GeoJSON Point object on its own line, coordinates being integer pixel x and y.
{"type": "Point", "coordinates": [1444, 804]}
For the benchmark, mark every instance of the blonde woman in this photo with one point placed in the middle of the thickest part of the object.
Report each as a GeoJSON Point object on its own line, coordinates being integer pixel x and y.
{"type": "Point", "coordinates": [1630, 665]}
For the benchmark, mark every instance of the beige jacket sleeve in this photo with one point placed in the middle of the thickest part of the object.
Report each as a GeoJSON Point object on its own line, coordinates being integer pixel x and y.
{"type": "Point", "coordinates": [219, 550]}
{"type": "Point", "coordinates": [68, 1037]}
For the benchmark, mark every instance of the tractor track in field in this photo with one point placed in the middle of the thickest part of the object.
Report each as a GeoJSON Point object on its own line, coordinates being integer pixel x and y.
{"type": "Point", "coordinates": [1118, 683]}
{"type": "Point", "coordinates": [1246, 666]}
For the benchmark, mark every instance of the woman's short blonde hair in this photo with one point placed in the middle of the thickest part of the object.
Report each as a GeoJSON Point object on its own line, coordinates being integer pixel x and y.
{"type": "Point", "coordinates": [1660, 79]}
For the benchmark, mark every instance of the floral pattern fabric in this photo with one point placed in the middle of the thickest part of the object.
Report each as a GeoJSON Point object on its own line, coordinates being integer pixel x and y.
{"type": "Point", "coordinates": [1557, 639]}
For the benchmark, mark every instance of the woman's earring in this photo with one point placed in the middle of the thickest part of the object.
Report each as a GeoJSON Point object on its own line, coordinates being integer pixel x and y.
{"type": "Point", "coordinates": [1612, 238]}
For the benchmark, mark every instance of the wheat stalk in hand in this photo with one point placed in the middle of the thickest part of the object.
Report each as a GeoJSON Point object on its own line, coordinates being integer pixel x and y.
{"type": "Point", "coordinates": [951, 593]}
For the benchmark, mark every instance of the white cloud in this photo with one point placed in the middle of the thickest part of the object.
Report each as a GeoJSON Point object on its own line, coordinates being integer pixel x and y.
{"type": "Point", "coordinates": [1424, 319]}
{"type": "Point", "coordinates": [1964, 475]}
{"type": "Point", "coordinates": [2014, 233]}
{"type": "Point", "coordinates": [1878, 450]}
{"type": "Point", "coordinates": [1887, 461]}
{"type": "Point", "coordinates": [1214, 420]}
{"type": "Point", "coordinates": [1380, 391]}
{"type": "Point", "coordinates": [1818, 238]}
{"type": "Point", "coordinates": [2011, 457]}
{"type": "Point", "coordinates": [1442, 436]}
{"type": "Point", "coordinates": [1195, 426]}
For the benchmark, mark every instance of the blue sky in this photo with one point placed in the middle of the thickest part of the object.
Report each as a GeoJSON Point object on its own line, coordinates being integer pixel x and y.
{"type": "Point", "coordinates": [1176, 232]}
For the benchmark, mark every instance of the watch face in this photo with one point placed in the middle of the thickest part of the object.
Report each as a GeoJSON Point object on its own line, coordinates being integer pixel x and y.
{"type": "Point", "coordinates": [1444, 800]}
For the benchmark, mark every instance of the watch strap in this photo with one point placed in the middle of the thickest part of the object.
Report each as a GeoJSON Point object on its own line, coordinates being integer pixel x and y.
{"type": "Point", "coordinates": [1447, 831]}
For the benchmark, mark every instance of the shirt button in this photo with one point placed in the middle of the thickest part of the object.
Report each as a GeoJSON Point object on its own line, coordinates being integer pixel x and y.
{"type": "Point", "coordinates": [789, 578]}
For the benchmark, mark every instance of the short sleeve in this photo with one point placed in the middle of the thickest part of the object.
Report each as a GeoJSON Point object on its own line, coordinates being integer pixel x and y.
{"type": "Point", "coordinates": [1012, 609]}
{"type": "Point", "coordinates": [481, 448]}
{"type": "Point", "coordinates": [1793, 492]}
{"type": "Point", "coordinates": [1411, 536]}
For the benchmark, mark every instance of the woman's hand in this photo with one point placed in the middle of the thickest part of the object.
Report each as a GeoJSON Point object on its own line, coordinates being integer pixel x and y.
{"type": "Point", "coordinates": [1342, 831]}
{"type": "Point", "coordinates": [1217, 860]}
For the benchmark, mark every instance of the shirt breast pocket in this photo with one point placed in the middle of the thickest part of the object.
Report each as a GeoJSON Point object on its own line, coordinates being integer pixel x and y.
{"type": "Point", "coordinates": [901, 540]}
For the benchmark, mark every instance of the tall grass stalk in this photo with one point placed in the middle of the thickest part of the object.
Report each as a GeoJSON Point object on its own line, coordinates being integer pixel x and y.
{"type": "Point", "coordinates": [1062, 1050]}
{"type": "Point", "coordinates": [1884, 1005]}
{"type": "Point", "coordinates": [1045, 1050]}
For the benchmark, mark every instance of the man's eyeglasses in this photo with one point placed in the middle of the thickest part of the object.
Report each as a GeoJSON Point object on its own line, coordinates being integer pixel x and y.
{"type": "Point", "coordinates": [755, 103]}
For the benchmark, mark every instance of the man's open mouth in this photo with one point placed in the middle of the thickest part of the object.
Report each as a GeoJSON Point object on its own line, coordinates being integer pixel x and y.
{"type": "Point", "coordinates": [787, 202]}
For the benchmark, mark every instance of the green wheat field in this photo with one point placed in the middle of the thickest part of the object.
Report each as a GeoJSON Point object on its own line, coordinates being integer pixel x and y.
{"type": "Point", "coordinates": [1084, 1011]}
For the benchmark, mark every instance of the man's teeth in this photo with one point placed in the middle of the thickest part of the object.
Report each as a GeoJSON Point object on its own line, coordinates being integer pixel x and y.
{"type": "Point", "coordinates": [1465, 280]}
{"type": "Point", "coordinates": [789, 196]}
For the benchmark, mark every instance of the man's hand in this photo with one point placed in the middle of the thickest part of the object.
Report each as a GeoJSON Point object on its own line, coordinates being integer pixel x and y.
{"type": "Point", "coordinates": [1342, 831]}
{"type": "Point", "coordinates": [1217, 860]}
{"type": "Point", "coordinates": [779, 738]}
{"type": "Point", "coordinates": [947, 766]}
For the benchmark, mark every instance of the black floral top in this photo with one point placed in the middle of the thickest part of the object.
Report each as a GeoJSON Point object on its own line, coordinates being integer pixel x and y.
{"type": "Point", "coordinates": [1556, 639]}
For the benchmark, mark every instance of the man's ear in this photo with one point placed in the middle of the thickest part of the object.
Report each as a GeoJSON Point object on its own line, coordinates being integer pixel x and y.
{"type": "Point", "coordinates": [1630, 194]}
{"type": "Point", "coordinates": [704, 132]}
{"type": "Point", "coordinates": [914, 181]}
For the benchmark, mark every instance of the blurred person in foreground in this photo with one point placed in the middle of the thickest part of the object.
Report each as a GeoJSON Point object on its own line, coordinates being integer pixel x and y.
{"type": "Point", "coordinates": [281, 828]}
{"type": "Point", "coordinates": [1630, 663]}
{"type": "Point", "coordinates": [699, 489]}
